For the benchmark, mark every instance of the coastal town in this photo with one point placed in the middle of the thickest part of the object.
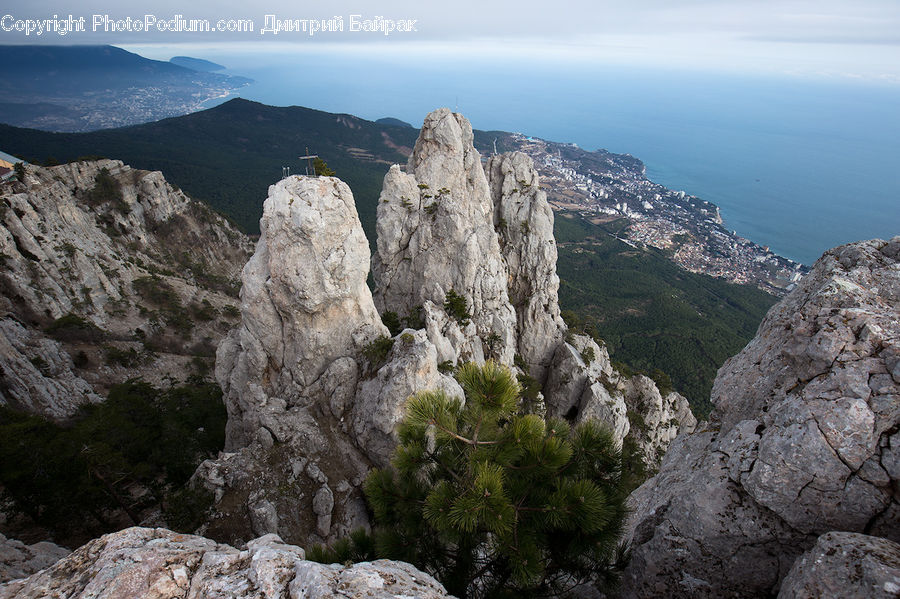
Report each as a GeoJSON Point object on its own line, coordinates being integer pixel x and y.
{"type": "Point", "coordinates": [608, 189]}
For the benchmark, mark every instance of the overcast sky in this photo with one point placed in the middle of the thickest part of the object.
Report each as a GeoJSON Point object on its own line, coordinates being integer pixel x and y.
{"type": "Point", "coordinates": [840, 38]}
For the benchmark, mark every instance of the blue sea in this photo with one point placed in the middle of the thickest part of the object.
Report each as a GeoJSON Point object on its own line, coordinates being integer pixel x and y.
{"type": "Point", "coordinates": [797, 164]}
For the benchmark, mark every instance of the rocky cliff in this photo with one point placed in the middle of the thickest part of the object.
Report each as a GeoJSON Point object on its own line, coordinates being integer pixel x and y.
{"type": "Point", "coordinates": [128, 275]}
{"type": "Point", "coordinates": [314, 384]}
{"type": "Point", "coordinates": [435, 235]}
{"type": "Point", "coordinates": [306, 312]}
{"type": "Point", "coordinates": [803, 441]}
{"type": "Point", "coordinates": [524, 222]}
{"type": "Point", "coordinates": [147, 563]}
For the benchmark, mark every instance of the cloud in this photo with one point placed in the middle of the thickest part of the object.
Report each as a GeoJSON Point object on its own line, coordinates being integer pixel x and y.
{"type": "Point", "coordinates": [793, 35]}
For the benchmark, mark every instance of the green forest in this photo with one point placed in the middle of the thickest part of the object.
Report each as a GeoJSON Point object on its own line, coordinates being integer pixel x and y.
{"type": "Point", "coordinates": [651, 313]}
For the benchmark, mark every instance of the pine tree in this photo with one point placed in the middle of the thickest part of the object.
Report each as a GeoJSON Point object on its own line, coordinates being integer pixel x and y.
{"type": "Point", "coordinates": [495, 503]}
{"type": "Point", "coordinates": [321, 168]}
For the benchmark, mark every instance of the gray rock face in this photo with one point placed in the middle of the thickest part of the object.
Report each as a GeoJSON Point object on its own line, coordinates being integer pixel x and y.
{"type": "Point", "coordinates": [304, 307]}
{"type": "Point", "coordinates": [657, 419]}
{"type": "Point", "coordinates": [582, 384]}
{"type": "Point", "coordinates": [412, 366]}
{"type": "Point", "coordinates": [804, 439]}
{"type": "Point", "coordinates": [848, 565]}
{"type": "Point", "coordinates": [289, 373]}
{"type": "Point", "coordinates": [65, 252]}
{"type": "Point", "coordinates": [37, 374]}
{"type": "Point", "coordinates": [436, 234]}
{"type": "Point", "coordinates": [524, 221]}
{"type": "Point", "coordinates": [145, 563]}
{"type": "Point", "coordinates": [18, 560]}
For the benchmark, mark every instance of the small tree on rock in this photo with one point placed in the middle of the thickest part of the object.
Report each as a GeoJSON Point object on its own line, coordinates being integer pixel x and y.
{"type": "Point", "coordinates": [494, 503]}
{"type": "Point", "coordinates": [321, 168]}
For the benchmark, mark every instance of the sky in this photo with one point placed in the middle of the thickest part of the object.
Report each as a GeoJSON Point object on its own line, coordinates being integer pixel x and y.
{"type": "Point", "coordinates": [852, 39]}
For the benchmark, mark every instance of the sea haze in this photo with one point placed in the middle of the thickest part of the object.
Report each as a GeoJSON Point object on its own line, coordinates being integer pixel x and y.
{"type": "Point", "coordinates": [797, 164]}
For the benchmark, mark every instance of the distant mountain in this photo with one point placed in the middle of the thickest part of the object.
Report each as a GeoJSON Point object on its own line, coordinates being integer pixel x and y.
{"type": "Point", "coordinates": [83, 88]}
{"type": "Point", "coordinates": [196, 64]}
{"type": "Point", "coordinates": [389, 120]}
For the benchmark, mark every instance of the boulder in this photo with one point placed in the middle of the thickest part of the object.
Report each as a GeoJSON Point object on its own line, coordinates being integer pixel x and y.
{"type": "Point", "coordinates": [411, 367]}
{"type": "Point", "coordinates": [289, 372]}
{"type": "Point", "coordinates": [305, 310]}
{"type": "Point", "coordinates": [848, 565]}
{"type": "Point", "coordinates": [803, 440]}
{"type": "Point", "coordinates": [155, 563]}
{"type": "Point", "coordinates": [18, 560]}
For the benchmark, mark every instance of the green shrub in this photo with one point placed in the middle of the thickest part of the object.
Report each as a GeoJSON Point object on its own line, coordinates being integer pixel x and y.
{"type": "Point", "coordinates": [321, 168]}
{"type": "Point", "coordinates": [493, 503]}
{"type": "Point", "coordinates": [457, 307]}
{"type": "Point", "coordinates": [587, 354]}
{"type": "Point", "coordinates": [392, 322]}
{"type": "Point", "coordinates": [415, 319]}
{"type": "Point", "coordinates": [358, 547]}
{"type": "Point", "coordinates": [118, 457]}
{"type": "Point", "coordinates": [187, 508]}
{"type": "Point", "coordinates": [72, 327]}
{"type": "Point", "coordinates": [107, 190]}
{"type": "Point", "coordinates": [376, 352]}
{"type": "Point", "coordinates": [122, 357]}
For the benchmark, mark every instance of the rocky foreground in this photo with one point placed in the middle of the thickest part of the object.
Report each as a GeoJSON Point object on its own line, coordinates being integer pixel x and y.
{"type": "Point", "coordinates": [154, 563]}
{"type": "Point", "coordinates": [804, 441]}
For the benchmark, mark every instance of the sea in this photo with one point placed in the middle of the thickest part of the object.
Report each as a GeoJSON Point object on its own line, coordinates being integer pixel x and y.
{"type": "Point", "coordinates": [796, 163]}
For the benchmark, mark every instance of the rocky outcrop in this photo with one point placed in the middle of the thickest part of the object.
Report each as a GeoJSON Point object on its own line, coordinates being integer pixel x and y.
{"type": "Point", "coordinates": [18, 560]}
{"type": "Point", "coordinates": [436, 235]}
{"type": "Point", "coordinates": [447, 225]}
{"type": "Point", "coordinates": [128, 256]}
{"type": "Point", "coordinates": [803, 440]}
{"type": "Point", "coordinates": [315, 388]}
{"type": "Point", "coordinates": [145, 563]}
{"type": "Point", "coordinates": [289, 372]}
{"type": "Point", "coordinates": [524, 221]}
{"type": "Point", "coordinates": [582, 384]}
{"type": "Point", "coordinates": [656, 419]}
{"type": "Point", "coordinates": [848, 565]}
{"type": "Point", "coordinates": [378, 407]}
{"type": "Point", "coordinates": [306, 312]}
{"type": "Point", "coordinates": [37, 375]}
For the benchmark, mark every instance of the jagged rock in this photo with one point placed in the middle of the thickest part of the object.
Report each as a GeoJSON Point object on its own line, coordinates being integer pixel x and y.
{"type": "Point", "coordinates": [582, 384]}
{"type": "Point", "coordinates": [657, 420]}
{"type": "Point", "coordinates": [145, 563]}
{"type": "Point", "coordinates": [803, 440]}
{"type": "Point", "coordinates": [848, 565]}
{"type": "Point", "coordinates": [412, 366]}
{"type": "Point", "coordinates": [264, 518]}
{"type": "Point", "coordinates": [304, 307]}
{"type": "Point", "coordinates": [18, 560]}
{"type": "Point", "coordinates": [65, 252]}
{"type": "Point", "coordinates": [576, 366]}
{"type": "Point", "coordinates": [435, 235]}
{"type": "Point", "coordinates": [289, 373]}
{"type": "Point", "coordinates": [265, 489]}
{"type": "Point", "coordinates": [36, 374]}
{"type": "Point", "coordinates": [524, 221]}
